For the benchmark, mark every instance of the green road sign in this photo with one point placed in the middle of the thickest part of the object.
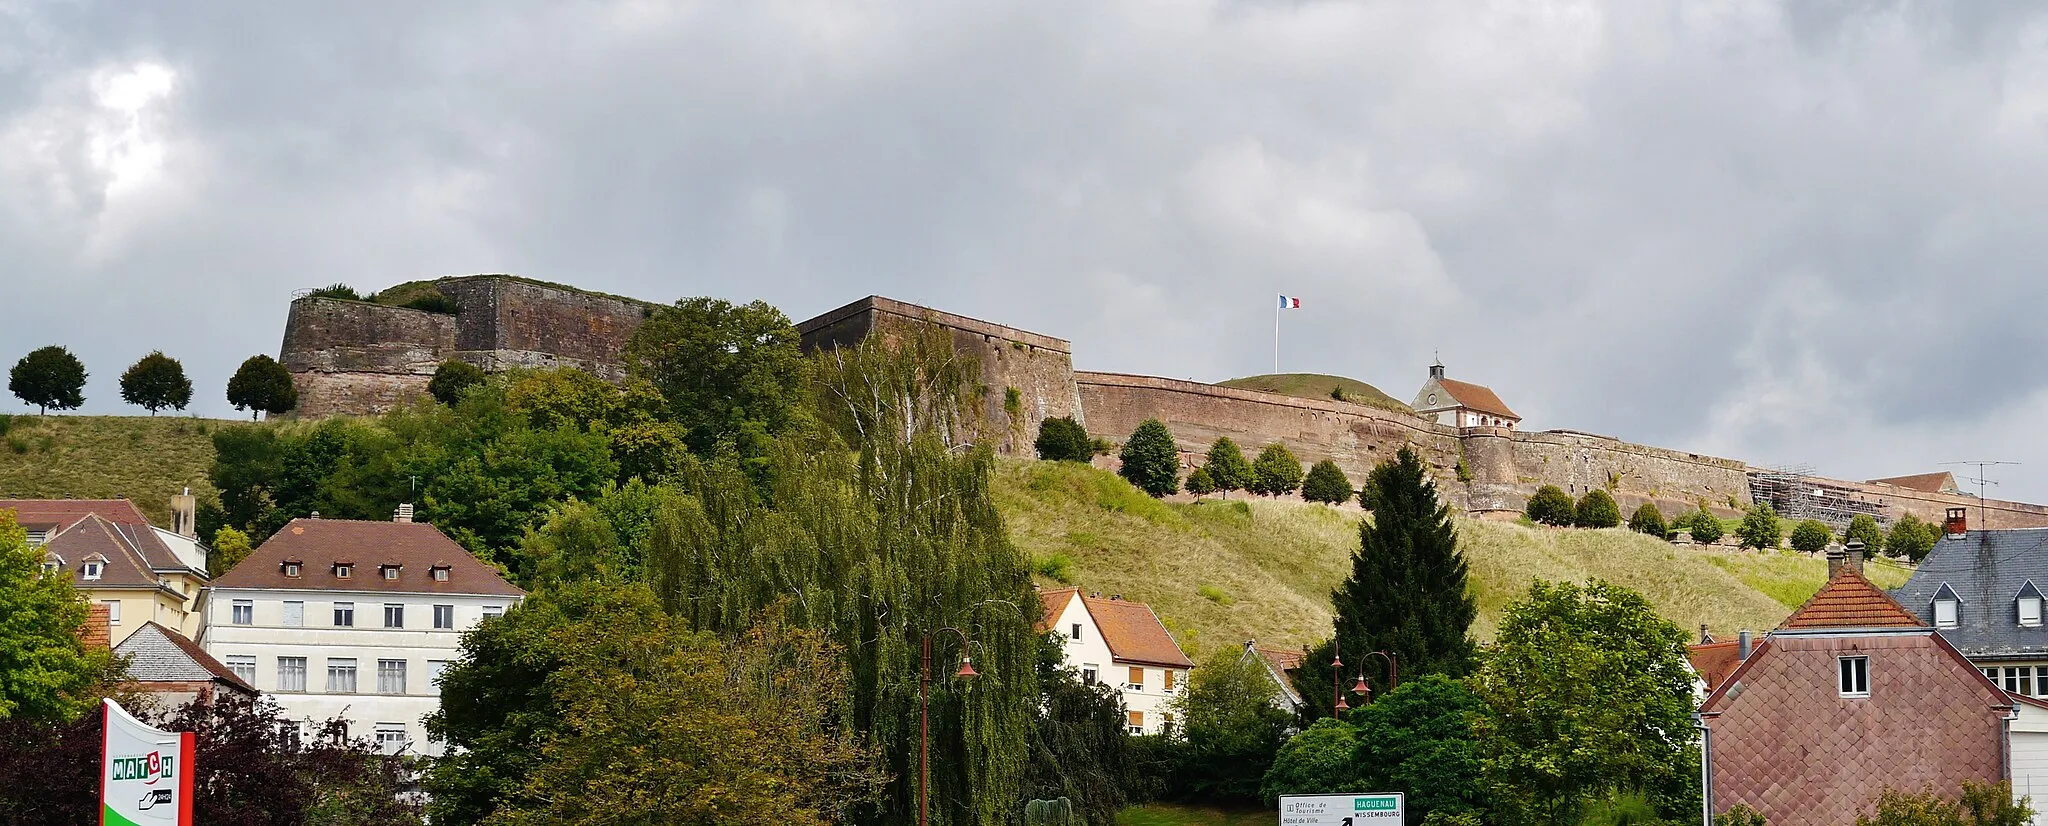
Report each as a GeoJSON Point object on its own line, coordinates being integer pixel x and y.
{"type": "Point", "coordinates": [1343, 810]}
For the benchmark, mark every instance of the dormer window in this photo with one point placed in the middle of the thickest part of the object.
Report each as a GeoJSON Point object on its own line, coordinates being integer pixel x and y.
{"type": "Point", "coordinates": [1947, 607]}
{"type": "Point", "coordinates": [93, 570]}
{"type": "Point", "coordinates": [38, 537]}
{"type": "Point", "coordinates": [343, 570]}
{"type": "Point", "coordinates": [440, 573]}
{"type": "Point", "coordinates": [52, 564]}
{"type": "Point", "coordinates": [2027, 606]}
{"type": "Point", "coordinates": [389, 571]}
{"type": "Point", "coordinates": [293, 568]}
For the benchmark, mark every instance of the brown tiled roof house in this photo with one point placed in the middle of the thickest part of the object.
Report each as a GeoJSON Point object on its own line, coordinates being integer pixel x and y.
{"type": "Point", "coordinates": [1850, 695]}
{"type": "Point", "coordinates": [1461, 403]}
{"type": "Point", "coordinates": [394, 557]}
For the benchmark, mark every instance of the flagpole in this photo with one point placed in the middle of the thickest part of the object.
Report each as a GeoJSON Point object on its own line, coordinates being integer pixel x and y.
{"type": "Point", "coordinates": [1276, 339]}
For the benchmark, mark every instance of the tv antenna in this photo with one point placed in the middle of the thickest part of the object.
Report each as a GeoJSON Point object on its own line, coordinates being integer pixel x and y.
{"type": "Point", "coordinates": [1983, 513]}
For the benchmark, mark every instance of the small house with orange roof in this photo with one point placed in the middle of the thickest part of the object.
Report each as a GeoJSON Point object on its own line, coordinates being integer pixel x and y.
{"type": "Point", "coordinates": [1851, 695]}
{"type": "Point", "coordinates": [1116, 641]}
{"type": "Point", "coordinates": [1456, 403]}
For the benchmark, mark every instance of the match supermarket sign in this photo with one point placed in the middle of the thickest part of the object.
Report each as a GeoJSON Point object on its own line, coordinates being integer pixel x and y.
{"type": "Point", "coordinates": [145, 774]}
{"type": "Point", "coordinates": [1343, 810]}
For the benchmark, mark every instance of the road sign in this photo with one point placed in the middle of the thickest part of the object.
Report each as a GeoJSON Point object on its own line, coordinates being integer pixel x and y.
{"type": "Point", "coordinates": [145, 773]}
{"type": "Point", "coordinates": [1343, 810]}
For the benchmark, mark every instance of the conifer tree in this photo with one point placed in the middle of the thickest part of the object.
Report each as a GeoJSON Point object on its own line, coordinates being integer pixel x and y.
{"type": "Point", "coordinates": [1151, 460]}
{"type": "Point", "coordinates": [1227, 466]}
{"type": "Point", "coordinates": [1406, 593]}
{"type": "Point", "coordinates": [1326, 483]}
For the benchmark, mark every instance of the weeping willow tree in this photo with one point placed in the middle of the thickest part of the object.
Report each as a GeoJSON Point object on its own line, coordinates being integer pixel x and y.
{"type": "Point", "coordinates": [879, 530]}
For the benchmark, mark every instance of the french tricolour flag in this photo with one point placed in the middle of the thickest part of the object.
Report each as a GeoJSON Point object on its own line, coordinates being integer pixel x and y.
{"type": "Point", "coordinates": [1290, 303]}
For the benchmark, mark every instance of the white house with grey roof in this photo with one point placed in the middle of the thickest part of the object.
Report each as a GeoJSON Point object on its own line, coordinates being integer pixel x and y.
{"type": "Point", "coordinates": [1983, 590]}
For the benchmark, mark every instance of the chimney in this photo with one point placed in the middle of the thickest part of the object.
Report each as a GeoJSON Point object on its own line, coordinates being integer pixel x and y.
{"type": "Point", "coordinates": [1436, 370]}
{"type": "Point", "coordinates": [184, 515]}
{"type": "Point", "coordinates": [404, 514]}
{"type": "Point", "coordinates": [313, 515]}
{"type": "Point", "coordinates": [1958, 523]}
{"type": "Point", "coordinates": [1836, 559]}
{"type": "Point", "coordinates": [1854, 550]}
{"type": "Point", "coordinates": [1742, 645]}
{"type": "Point", "coordinates": [1704, 636]}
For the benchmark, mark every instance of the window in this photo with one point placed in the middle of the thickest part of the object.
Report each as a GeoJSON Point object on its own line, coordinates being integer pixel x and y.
{"type": "Point", "coordinates": [94, 569]}
{"type": "Point", "coordinates": [2030, 612]}
{"type": "Point", "coordinates": [1137, 682]}
{"type": "Point", "coordinates": [440, 573]}
{"type": "Point", "coordinates": [1088, 675]}
{"type": "Point", "coordinates": [1137, 721]}
{"type": "Point", "coordinates": [1945, 613]}
{"type": "Point", "coordinates": [394, 616]}
{"type": "Point", "coordinates": [244, 667]}
{"type": "Point", "coordinates": [493, 611]}
{"type": "Point", "coordinates": [294, 613]}
{"type": "Point", "coordinates": [113, 611]}
{"type": "Point", "coordinates": [1075, 633]}
{"type": "Point", "coordinates": [341, 675]}
{"type": "Point", "coordinates": [2020, 679]}
{"type": "Point", "coordinates": [343, 570]}
{"type": "Point", "coordinates": [291, 673]}
{"type": "Point", "coordinates": [52, 566]}
{"type": "Point", "coordinates": [434, 669]}
{"type": "Point", "coordinates": [244, 612]}
{"type": "Point", "coordinates": [444, 616]}
{"type": "Point", "coordinates": [344, 615]}
{"type": "Point", "coordinates": [37, 538]}
{"type": "Point", "coordinates": [391, 737]}
{"type": "Point", "coordinates": [389, 571]}
{"type": "Point", "coordinates": [1855, 674]}
{"type": "Point", "coordinates": [390, 676]}
{"type": "Point", "coordinates": [292, 568]}
{"type": "Point", "coordinates": [1169, 679]}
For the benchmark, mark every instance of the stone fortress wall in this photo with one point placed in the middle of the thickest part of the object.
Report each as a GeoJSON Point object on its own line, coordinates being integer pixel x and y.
{"type": "Point", "coordinates": [358, 357]}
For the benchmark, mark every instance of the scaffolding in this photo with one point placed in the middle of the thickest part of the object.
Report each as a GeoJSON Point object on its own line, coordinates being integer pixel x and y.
{"type": "Point", "coordinates": [1796, 494]}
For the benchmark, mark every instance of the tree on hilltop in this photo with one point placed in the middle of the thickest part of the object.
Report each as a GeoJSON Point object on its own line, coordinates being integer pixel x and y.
{"type": "Point", "coordinates": [1151, 460]}
{"type": "Point", "coordinates": [1706, 528]}
{"type": "Point", "coordinates": [1811, 535]}
{"type": "Point", "coordinates": [1648, 520]}
{"type": "Point", "coordinates": [1596, 509]}
{"type": "Point", "coordinates": [1327, 483]}
{"type": "Point", "coordinates": [155, 382]}
{"type": "Point", "coordinates": [50, 377]}
{"type": "Point", "coordinates": [1227, 466]}
{"type": "Point", "coordinates": [451, 378]}
{"type": "Point", "coordinates": [1063, 440]}
{"type": "Point", "coordinates": [1551, 506]}
{"type": "Point", "coordinates": [262, 385]}
{"type": "Point", "coordinates": [1863, 528]}
{"type": "Point", "coordinates": [1760, 528]}
{"type": "Point", "coordinates": [1276, 472]}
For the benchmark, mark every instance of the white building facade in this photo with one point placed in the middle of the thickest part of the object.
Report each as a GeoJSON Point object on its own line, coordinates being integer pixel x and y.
{"type": "Point", "coordinates": [1124, 644]}
{"type": "Point", "coordinates": [341, 618]}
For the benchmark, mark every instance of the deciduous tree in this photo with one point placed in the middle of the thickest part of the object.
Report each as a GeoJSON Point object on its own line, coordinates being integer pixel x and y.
{"type": "Point", "coordinates": [1200, 483]}
{"type": "Point", "coordinates": [230, 547]}
{"type": "Point", "coordinates": [46, 672]}
{"type": "Point", "coordinates": [1911, 539]}
{"type": "Point", "coordinates": [1227, 465]}
{"type": "Point", "coordinates": [50, 377]}
{"type": "Point", "coordinates": [1151, 459]}
{"type": "Point", "coordinates": [1596, 509]}
{"type": "Point", "coordinates": [451, 378]}
{"type": "Point", "coordinates": [1811, 535]}
{"type": "Point", "coordinates": [1760, 528]}
{"type": "Point", "coordinates": [1551, 506]}
{"type": "Point", "coordinates": [1705, 527]}
{"type": "Point", "coordinates": [1326, 483]}
{"type": "Point", "coordinates": [731, 372]}
{"type": "Point", "coordinates": [1064, 440]}
{"type": "Point", "coordinates": [1233, 729]}
{"type": "Point", "coordinates": [1863, 528]}
{"type": "Point", "coordinates": [262, 385]}
{"type": "Point", "coordinates": [1648, 520]}
{"type": "Point", "coordinates": [155, 382]}
{"type": "Point", "coordinates": [1276, 472]}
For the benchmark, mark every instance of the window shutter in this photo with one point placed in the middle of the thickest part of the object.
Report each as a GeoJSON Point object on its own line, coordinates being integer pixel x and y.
{"type": "Point", "coordinates": [1169, 679]}
{"type": "Point", "coordinates": [1137, 719]}
{"type": "Point", "coordinates": [1137, 675]}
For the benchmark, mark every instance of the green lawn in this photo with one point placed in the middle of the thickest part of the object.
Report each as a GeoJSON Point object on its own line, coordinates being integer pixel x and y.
{"type": "Point", "coordinates": [1318, 386]}
{"type": "Point", "coordinates": [1174, 814]}
{"type": "Point", "coordinates": [142, 458]}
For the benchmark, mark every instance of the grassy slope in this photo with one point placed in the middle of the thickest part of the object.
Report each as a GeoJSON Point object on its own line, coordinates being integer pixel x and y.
{"type": "Point", "coordinates": [1275, 562]}
{"type": "Point", "coordinates": [140, 458]}
{"type": "Point", "coordinates": [1174, 814]}
{"type": "Point", "coordinates": [1318, 386]}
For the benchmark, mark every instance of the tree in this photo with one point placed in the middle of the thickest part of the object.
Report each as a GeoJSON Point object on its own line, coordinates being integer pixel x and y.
{"type": "Point", "coordinates": [1596, 509]}
{"type": "Point", "coordinates": [451, 378]}
{"type": "Point", "coordinates": [1322, 759]}
{"type": "Point", "coordinates": [230, 547]}
{"type": "Point", "coordinates": [1227, 466]}
{"type": "Point", "coordinates": [1326, 483]}
{"type": "Point", "coordinates": [1705, 527]}
{"type": "Point", "coordinates": [1551, 506]}
{"type": "Point", "coordinates": [1276, 472]}
{"type": "Point", "coordinates": [50, 377]}
{"type": "Point", "coordinates": [1200, 483]}
{"type": "Point", "coordinates": [1811, 535]}
{"type": "Point", "coordinates": [1911, 539]}
{"type": "Point", "coordinates": [1064, 440]}
{"type": "Point", "coordinates": [262, 385]}
{"type": "Point", "coordinates": [732, 372]}
{"type": "Point", "coordinates": [1863, 528]}
{"type": "Point", "coordinates": [1151, 460]}
{"type": "Point", "coordinates": [1233, 729]}
{"type": "Point", "coordinates": [155, 382]}
{"type": "Point", "coordinates": [1418, 739]}
{"type": "Point", "coordinates": [1648, 520]}
{"type": "Point", "coordinates": [46, 672]}
{"type": "Point", "coordinates": [1760, 528]}
{"type": "Point", "coordinates": [1079, 750]}
{"type": "Point", "coordinates": [1406, 594]}
{"type": "Point", "coordinates": [1588, 693]}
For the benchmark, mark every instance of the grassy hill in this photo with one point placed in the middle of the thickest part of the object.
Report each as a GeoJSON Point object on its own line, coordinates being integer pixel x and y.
{"type": "Point", "coordinates": [1318, 386]}
{"type": "Point", "coordinates": [1221, 572]}
{"type": "Point", "coordinates": [141, 458]}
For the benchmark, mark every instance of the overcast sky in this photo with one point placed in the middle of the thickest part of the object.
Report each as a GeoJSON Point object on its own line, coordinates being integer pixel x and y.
{"type": "Point", "coordinates": [1798, 233]}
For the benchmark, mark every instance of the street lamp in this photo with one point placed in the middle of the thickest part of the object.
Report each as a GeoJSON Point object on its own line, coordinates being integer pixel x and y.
{"type": "Point", "coordinates": [1337, 679]}
{"type": "Point", "coordinates": [1393, 673]}
{"type": "Point", "coordinates": [924, 715]}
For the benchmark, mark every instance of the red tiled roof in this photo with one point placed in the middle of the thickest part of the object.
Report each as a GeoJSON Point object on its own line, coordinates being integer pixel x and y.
{"type": "Point", "coordinates": [1714, 661]}
{"type": "Point", "coordinates": [1281, 659]}
{"type": "Point", "coordinates": [1134, 633]}
{"type": "Point", "coordinates": [1477, 397]}
{"type": "Point", "coordinates": [1941, 482]}
{"type": "Point", "coordinates": [1054, 601]}
{"type": "Point", "coordinates": [97, 632]}
{"type": "Point", "coordinates": [416, 547]}
{"type": "Point", "coordinates": [1850, 601]}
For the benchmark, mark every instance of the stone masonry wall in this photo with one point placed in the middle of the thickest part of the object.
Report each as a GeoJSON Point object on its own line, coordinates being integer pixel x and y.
{"type": "Point", "coordinates": [1675, 480]}
{"type": "Point", "coordinates": [358, 357]}
{"type": "Point", "coordinates": [507, 323]}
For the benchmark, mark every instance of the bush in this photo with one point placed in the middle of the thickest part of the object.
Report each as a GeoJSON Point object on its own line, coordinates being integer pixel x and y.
{"type": "Point", "coordinates": [1706, 527]}
{"type": "Point", "coordinates": [1057, 567]}
{"type": "Point", "coordinates": [1327, 483]}
{"type": "Point", "coordinates": [1551, 506]}
{"type": "Point", "coordinates": [1760, 528]}
{"type": "Point", "coordinates": [336, 290]}
{"type": "Point", "coordinates": [1741, 815]}
{"type": "Point", "coordinates": [453, 377]}
{"type": "Point", "coordinates": [1811, 535]}
{"type": "Point", "coordinates": [1911, 539]}
{"type": "Point", "coordinates": [1863, 528]}
{"type": "Point", "coordinates": [1981, 804]}
{"type": "Point", "coordinates": [1648, 519]}
{"type": "Point", "coordinates": [1596, 510]}
{"type": "Point", "coordinates": [1063, 440]}
{"type": "Point", "coordinates": [1151, 460]}
{"type": "Point", "coordinates": [1200, 483]}
{"type": "Point", "coordinates": [1322, 759]}
{"type": "Point", "coordinates": [433, 302]}
{"type": "Point", "coordinates": [1276, 472]}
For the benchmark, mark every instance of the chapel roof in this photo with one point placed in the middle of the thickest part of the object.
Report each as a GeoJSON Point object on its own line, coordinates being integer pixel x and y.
{"type": "Point", "coordinates": [1476, 397]}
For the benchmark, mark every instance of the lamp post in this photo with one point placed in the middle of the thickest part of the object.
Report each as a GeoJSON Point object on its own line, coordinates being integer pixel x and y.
{"type": "Point", "coordinates": [1337, 703]}
{"type": "Point", "coordinates": [1393, 673]}
{"type": "Point", "coordinates": [924, 716]}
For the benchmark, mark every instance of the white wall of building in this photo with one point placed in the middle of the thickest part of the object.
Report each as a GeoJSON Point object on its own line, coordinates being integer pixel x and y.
{"type": "Point", "coordinates": [2030, 759]}
{"type": "Point", "coordinates": [268, 635]}
{"type": "Point", "coordinates": [1089, 654]}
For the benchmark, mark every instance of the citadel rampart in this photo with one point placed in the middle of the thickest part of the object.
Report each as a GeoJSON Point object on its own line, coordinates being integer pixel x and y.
{"type": "Point", "coordinates": [362, 357]}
